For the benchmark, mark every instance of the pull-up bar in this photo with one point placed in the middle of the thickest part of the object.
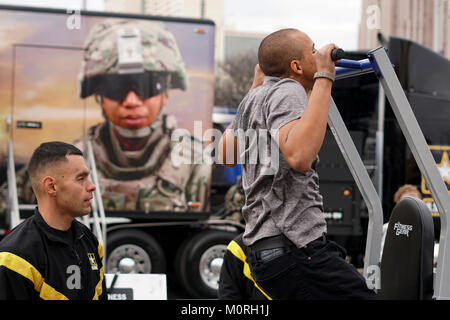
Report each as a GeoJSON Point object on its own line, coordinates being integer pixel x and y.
{"type": "Point", "coordinates": [378, 62]}
{"type": "Point", "coordinates": [350, 68]}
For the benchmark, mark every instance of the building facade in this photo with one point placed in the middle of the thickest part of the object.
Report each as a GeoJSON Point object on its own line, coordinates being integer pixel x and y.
{"type": "Point", "coordinates": [424, 21]}
{"type": "Point", "coordinates": [237, 43]}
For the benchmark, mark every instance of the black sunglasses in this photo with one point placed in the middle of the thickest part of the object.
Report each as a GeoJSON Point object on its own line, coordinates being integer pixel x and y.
{"type": "Point", "coordinates": [117, 86]}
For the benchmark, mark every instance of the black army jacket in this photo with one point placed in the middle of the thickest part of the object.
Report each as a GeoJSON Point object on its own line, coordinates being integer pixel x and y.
{"type": "Point", "coordinates": [40, 262]}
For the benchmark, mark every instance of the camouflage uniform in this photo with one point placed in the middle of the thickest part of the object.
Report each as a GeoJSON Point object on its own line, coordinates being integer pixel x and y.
{"type": "Point", "coordinates": [147, 179]}
{"type": "Point", "coordinates": [234, 201]}
{"type": "Point", "coordinates": [157, 183]}
{"type": "Point", "coordinates": [24, 193]}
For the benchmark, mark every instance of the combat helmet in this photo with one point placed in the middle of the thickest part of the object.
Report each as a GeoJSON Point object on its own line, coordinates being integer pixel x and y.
{"type": "Point", "coordinates": [124, 55]}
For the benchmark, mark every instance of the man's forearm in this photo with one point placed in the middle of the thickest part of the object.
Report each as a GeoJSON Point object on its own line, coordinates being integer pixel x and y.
{"type": "Point", "coordinates": [306, 136]}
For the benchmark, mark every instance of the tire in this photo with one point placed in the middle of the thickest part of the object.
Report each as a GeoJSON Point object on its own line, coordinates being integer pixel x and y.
{"type": "Point", "coordinates": [134, 251]}
{"type": "Point", "coordinates": [198, 262]}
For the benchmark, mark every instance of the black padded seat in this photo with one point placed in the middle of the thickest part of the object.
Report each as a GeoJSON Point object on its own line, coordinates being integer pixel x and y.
{"type": "Point", "coordinates": [407, 260]}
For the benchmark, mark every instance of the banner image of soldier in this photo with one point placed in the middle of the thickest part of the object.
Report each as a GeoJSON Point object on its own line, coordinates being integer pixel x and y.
{"type": "Point", "coordinates": [130, 67]}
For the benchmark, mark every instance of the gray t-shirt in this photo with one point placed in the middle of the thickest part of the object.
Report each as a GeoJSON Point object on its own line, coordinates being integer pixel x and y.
{"type": "Point", "coordinates": [278, 199]}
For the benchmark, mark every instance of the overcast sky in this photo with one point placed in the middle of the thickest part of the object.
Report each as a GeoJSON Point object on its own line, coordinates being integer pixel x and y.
{"type": "Point", "coordinates": [324, 21]}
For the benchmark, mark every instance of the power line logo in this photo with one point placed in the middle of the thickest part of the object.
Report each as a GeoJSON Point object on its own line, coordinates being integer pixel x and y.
{"type": "Point", "coordinates": [92, 261]}
{"type": "Point", "coordinates": [441, 155]}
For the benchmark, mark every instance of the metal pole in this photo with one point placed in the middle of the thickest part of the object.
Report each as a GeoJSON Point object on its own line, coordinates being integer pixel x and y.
{"type": "Point", "coordinates": [97, 204]}
{"type": "Point", "coordinates": [13, 203]}
{"type": "Point", "coordinates": [379, 152]}
{"type": "Point", "coordinates": [365, 185]}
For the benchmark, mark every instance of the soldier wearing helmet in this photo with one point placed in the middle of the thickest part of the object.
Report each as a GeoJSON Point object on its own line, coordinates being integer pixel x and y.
{"type": "Point", "coordinates": [129, 66]}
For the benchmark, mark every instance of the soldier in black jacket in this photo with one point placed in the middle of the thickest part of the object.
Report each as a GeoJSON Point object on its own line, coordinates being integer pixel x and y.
{"type": "Point", "coordinates": [51, 255]}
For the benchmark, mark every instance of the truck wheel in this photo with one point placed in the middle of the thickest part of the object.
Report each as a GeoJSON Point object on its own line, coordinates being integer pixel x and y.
{"type": "Point", "coordinates": [134, 251]}
{"type": "Point", "coordinates": [199, 261]}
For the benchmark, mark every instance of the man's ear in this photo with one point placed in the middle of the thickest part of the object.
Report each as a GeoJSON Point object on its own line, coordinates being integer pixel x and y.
{"type": "Point", "coordinates": [48, 184]}
{"type": "Point", "coordinates": [296, 68]}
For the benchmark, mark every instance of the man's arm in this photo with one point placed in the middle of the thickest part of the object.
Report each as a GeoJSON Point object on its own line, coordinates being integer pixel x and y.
{"type": "Point", "coordinates": [104, 293]}
{"type": "Point", "coordinates": [258, 77]}
{"type": "Point", "coordinates": [300, 140]}
{"type": "Point", "coordinates": [14, 286]}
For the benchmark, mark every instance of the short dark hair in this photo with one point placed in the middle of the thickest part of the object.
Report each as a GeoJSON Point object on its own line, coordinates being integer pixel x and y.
{"type": "Point", "coordinates": [50, 153]}
{"type": "Point", "coordinates": [276, 52]}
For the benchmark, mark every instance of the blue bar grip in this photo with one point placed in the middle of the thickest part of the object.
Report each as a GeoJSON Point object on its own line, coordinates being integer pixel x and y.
{"type": "Point", "coordinates": [361, 64]}
{"type": "Point", "coordinates": [350, 67]}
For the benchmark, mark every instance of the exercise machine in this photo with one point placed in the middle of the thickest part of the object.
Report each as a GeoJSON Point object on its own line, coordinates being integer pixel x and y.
{"type": "Point", "coordinates": [378, 62]}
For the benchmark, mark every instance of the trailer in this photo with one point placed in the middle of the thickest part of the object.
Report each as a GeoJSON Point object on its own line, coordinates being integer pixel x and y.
{"type": "Point", "coordinates": [41, 55]}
